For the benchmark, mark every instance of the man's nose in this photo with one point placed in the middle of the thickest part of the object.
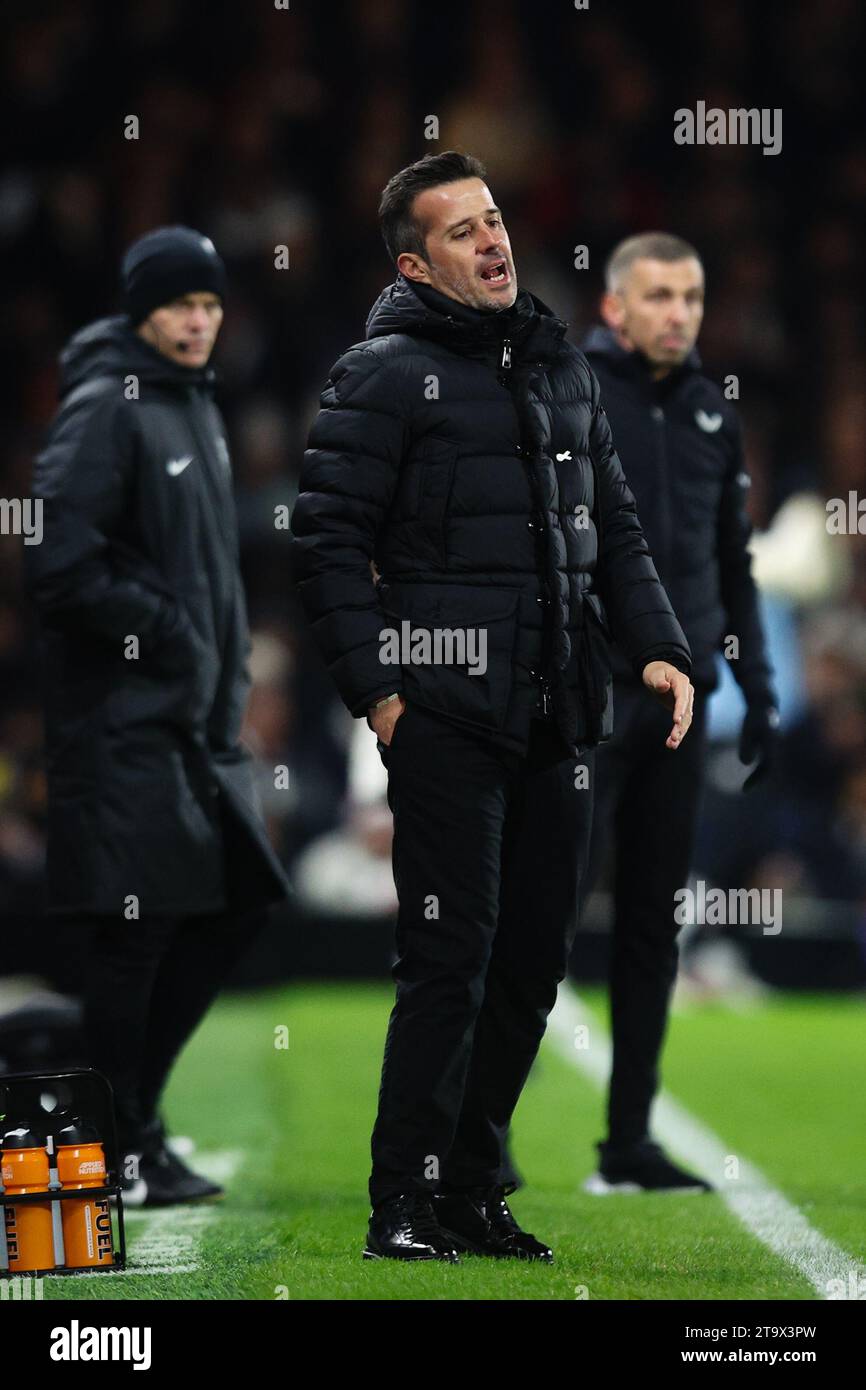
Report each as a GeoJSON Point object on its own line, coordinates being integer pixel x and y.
{"type": "Point", "coordinates": [198, 321]}
{"type": "Point", "coordinates": [490, 243]}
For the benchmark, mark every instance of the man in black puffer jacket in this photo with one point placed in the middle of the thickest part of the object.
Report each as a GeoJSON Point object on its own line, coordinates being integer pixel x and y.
{"type": "Point", "coordinates": [159, 866]}
{"type": "Point", "coordinates": [680, 442]}
{"type": "Point", "coordinates": [462, 454]}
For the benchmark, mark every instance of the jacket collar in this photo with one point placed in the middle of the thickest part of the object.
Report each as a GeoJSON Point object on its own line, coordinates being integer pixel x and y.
{"type": "Point", "coordinates": [601, 343]}
{"type": "Point", "coordinates": [111, 347]}
{"type": "Point", "coordinates": [532, 328]}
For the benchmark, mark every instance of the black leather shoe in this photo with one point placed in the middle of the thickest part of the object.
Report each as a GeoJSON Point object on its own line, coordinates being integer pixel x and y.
{"type": "Point", "coordinates": [404, 1227]}
{"type": "Point", "coordinates": [163, 1180]}
{"type": "Point", "coordinates": [479, 1221]}
{"type": "Point", "coordinates": [640, 1167]}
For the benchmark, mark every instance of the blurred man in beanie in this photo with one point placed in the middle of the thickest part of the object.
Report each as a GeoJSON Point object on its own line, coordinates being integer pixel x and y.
{"type": "Point", "coordinates": [680, 443]}
{"type": "Point", "coordinates": [158, 862]}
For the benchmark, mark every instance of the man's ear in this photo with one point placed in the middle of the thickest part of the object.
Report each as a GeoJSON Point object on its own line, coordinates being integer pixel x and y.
{"type": "Point", "coordinates": [412, 266]}
{"type": "Point", "coordinates": [612, 310]}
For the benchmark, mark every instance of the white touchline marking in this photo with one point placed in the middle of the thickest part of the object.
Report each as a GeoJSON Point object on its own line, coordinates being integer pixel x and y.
{"type": "Point", "coordinates": [775, 1221]}
{"type": "Point", "coordinates": [167, 1240]}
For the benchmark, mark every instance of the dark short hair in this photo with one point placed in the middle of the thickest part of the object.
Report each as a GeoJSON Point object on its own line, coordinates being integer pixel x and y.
{"type": "Point", "coordinates": [654, 246]}
{"type": "Point", "coordinates": [399, 229]}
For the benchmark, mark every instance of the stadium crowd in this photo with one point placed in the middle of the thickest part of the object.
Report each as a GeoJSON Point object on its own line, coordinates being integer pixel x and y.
{"type": "Point", "coordinates": [267, 127]}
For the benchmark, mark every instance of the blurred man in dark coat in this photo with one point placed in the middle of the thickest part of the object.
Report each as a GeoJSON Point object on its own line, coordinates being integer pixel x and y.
{"type": "Point", "coordinates": [680, 442]}
{"type": "Point", "coordinates": [158, 861]}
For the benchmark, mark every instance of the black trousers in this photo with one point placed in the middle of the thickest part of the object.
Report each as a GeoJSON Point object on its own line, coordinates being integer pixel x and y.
{"type": "Point", "coordinates": [646, 802]}
{"type": "Point", "coordinates": [489, 849]}
{"type": "Point", "coordinates": [145, 986]}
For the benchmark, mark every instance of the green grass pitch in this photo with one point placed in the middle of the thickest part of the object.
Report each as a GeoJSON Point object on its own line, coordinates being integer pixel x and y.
{"type": "Point", "coordinates": [780, 1083]}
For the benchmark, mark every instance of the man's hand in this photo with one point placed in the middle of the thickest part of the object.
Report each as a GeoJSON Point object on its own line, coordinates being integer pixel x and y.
{"type": "Point", "coordinates": [759, 739]}
{"type": "Point", "coordinates": [383, 719]}
{"type": "Point", "coordinates": [676, 691]}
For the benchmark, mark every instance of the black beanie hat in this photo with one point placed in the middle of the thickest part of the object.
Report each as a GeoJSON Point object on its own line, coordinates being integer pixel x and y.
{"type": "Point", "coordinates": [167, 263]}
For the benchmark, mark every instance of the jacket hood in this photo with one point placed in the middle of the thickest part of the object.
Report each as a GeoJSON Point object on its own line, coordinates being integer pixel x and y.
{"type": "Point", "coordinates": [602, 342]}
{"type": "Point", "coordinates": [111, 347]}
{"type": "Point", "coordinates": [426, 313]}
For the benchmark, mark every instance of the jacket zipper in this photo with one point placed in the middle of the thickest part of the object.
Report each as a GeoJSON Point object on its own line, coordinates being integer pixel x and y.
{"type": "Point", "coordinates": [660, 420]}
{"type": "Point", "coordinates": [505, 364]}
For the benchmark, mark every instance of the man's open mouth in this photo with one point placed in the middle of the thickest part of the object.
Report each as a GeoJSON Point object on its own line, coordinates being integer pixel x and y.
{"type": "Point", "coordinates": [496, 274]}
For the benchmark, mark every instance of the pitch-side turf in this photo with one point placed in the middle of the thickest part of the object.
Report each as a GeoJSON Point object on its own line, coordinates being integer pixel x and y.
{"type": "Point", "coordinates": [771, 1097]}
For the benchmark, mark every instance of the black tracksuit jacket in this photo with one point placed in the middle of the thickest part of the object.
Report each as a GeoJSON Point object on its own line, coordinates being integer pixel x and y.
{"type": "Point", "coordinates": [681, 447]}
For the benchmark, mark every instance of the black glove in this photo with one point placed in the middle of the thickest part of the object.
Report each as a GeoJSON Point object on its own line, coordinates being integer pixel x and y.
{"type": "Point", "coordinates": [759, 739]}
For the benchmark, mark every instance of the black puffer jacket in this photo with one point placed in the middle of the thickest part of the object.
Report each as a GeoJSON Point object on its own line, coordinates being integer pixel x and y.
{"type": "Point", "coordinates": [150, 794]}
{"type": "Point", "coordinates": [466, 455]}
{"type": "Point", "coordinates": [681, 445]}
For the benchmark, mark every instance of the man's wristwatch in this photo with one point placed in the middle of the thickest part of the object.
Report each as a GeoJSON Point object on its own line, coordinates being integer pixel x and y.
{"type": "Point", "coordinates": [387, 700]}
